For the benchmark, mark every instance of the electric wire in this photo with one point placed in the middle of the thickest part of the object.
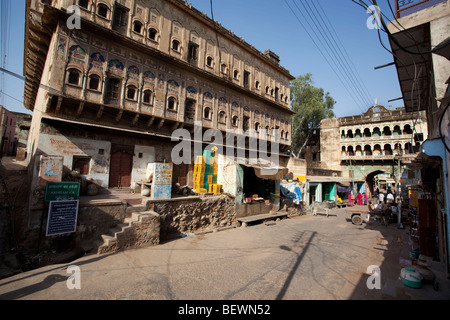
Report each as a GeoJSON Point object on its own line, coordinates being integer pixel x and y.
{"type": "Point", "coordinates": [319, 48]}
{"type": "Point", "coordinates": [345, 53]}
{"type": "Point", "coordinates": [326, 43]}
{"type": "Point", "coordinates": [397, 42]}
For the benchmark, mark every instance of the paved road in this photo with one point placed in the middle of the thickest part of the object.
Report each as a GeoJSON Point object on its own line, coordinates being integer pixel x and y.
{"type": "Point", "coordinates": [305, 257]}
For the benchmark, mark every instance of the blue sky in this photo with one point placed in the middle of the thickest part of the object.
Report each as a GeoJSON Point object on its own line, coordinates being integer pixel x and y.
{"type": "Point", "coordinates": [270, 24]}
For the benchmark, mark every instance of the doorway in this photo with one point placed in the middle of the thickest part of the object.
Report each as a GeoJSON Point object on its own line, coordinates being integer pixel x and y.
{"type": "Point", "coordinates": [120, 168]}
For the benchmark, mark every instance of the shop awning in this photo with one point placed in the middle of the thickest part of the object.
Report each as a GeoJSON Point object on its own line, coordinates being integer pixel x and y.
{"type": "Point", "coordinates": [268, 172]}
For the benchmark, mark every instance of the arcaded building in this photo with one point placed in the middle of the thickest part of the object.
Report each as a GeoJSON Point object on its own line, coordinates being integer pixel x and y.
{"type": "Point", "coordinates": [107, 95]}
{"type": "Point", "coordinates": [350, 151]}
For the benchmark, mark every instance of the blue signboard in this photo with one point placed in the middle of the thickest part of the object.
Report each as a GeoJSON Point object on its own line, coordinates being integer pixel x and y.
{"type": "Point", "coordinates": [62, 217]}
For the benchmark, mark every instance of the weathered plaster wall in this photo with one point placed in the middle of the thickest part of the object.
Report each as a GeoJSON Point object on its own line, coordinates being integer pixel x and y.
{"type": "Point", "coordinates": [329, 144]}
{"type": "Point", "coordinates": [143, 155]}
{"type": "Point", "coordinates": [70, 147]}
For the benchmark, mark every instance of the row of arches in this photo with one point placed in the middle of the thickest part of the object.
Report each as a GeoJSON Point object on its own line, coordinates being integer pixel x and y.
{"type": "Point", "coordinates": [376, 132]}
{"type": "Point", "coordinates": [379, 149]}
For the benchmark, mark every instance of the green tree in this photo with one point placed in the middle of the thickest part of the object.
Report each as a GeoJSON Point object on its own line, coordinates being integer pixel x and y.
{"type": "Point", "coordinates": [311, 105]}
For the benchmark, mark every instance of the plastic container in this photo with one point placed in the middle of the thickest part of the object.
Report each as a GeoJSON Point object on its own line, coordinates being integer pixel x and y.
{"type": "Point", "coordinates": [411, 277]}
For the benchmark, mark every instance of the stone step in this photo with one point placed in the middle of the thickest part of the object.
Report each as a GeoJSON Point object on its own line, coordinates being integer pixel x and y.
{"type": "Point", "coordinates": [108, 240]}
{"type": "Point", "coordinates": [136, 208]}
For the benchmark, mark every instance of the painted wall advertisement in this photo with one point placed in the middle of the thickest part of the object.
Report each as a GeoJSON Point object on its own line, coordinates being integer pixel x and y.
{"type": "Point", "coordinates": [50, 169]}
{"type": "Point", "coordinates": [162, 181]}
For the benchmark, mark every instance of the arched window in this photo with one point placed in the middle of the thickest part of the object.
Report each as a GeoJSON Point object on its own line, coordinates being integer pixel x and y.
{"type": "Point", "coordinates": [152, 34]}
{"type": "Point", "coordinates": [172, 104]}
{"type": "Point", "coordinates": [236, 74]}
{"type": "Point", "coordinates": [209, 61]}
{"type": "Point", "coordinates": [176, 45]}
{"type": "Point", "coordinates": [148, 96]}
{"type": "Point", "coordinates": [73, 77]}
{"type": "Point", "coordinates": [397, 131]}
{"type": "Point", "coordinates": [83, 3]}
{"type": "Point", "coordinates": [376, 132]}
{"type": "Point", "coordinates": [407, 129]}
{"type": "Point", "coordinates": [207, 113]}
{"type": "Point", "coordinates": [387, 131]}
{"type": "Point", "coordinates": [137, 27]}
{"type": "Point", "coordinates": [367, 150]}
{"type": "Point", "coordinates": [387, 150]}
{"type": "Point", "coordinates": [377, 150]}
{"type": "Point", "coordinates": [257, 126]}
{"type": "Point", "coordinates": [257, 85]}
{"type": "Point", "coordinates": [350, 134]}
{"type": "Point", "coordinates": [131, 92]}
{"type": "Point", "coordinates": [235, 121]}
{"type": "Point", "coordinates": [224, 68]}
{"type": "Point", "coordinates": [350, 151]}
{"type": "Point", "coordinates": [102, 10]}
{"type": "Point", "coordinates": [94, 82]}
{"type": "Point", "coordinates": [222, 117]}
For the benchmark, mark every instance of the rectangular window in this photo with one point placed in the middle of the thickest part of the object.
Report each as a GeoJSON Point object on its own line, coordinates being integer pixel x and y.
{"type": "Point", "coordinates": [113, 89]}
{"type": "Point", "coordinates": [247, 79]}
{"type": "Point", "coordinates": [81, 164]}
{"type": "Point", "coordinates": [193, 52]}
{"type": "Point", "coordinates": [120, 20]}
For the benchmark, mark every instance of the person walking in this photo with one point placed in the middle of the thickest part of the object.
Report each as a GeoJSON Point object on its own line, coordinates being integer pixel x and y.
{"type": "Point", "coordinates": [381, 197]}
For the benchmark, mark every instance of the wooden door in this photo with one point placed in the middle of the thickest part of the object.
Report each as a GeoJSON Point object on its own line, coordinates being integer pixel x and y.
{"type": "Point", "coordinates": [120, 169]}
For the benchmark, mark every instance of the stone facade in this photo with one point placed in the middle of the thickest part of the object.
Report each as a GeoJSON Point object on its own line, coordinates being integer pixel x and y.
{"type": "Point", "coordinates": [191, 215]}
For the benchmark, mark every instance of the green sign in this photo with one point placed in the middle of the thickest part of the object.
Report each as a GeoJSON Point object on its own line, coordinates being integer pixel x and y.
{"type": "Point", "coordinates": [56, 191]}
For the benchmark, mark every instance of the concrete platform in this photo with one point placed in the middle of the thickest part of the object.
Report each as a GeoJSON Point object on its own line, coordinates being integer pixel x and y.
{"type": "Point", "coordinates": [265, 216]}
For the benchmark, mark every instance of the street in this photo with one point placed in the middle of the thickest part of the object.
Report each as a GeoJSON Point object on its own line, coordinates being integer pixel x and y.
{"type": "Point", "coordinates": [304, 257]}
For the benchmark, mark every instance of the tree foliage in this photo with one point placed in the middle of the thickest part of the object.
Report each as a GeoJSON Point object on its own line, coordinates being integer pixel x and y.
{"type": "Point", "coordinates": [311, 105]}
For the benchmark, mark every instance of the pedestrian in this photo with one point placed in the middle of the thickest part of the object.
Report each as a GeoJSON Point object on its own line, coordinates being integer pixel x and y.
{"type": "Point", "coordinates": [359, 199]}
{"type": "Point", "coordinates": [390, 198]}
{"type": "Point", "coordinates": [381, 197]}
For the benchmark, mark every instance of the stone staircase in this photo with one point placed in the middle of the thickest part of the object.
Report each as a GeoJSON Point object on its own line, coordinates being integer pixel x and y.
{"type": "Point", "coordinates": [140, 228]}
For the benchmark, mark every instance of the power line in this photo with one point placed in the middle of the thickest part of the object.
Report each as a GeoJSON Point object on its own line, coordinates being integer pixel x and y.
{"type": "Point", "coordinates": [335, 54]}
{"type": "Point", "coordinates": [335, 65]}
{"type": "Point", "coordinates": [345, 53]}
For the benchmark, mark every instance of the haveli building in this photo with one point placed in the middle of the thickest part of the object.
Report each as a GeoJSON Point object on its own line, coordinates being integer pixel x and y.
{"type": "Point", "coordinates": [108, 95]}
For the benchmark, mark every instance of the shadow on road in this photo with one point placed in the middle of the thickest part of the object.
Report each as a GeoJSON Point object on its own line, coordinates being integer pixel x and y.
{"type": "Point", "coordinates": [291, 275]}
{"type": "Point", "coordinates": [393, 248]}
